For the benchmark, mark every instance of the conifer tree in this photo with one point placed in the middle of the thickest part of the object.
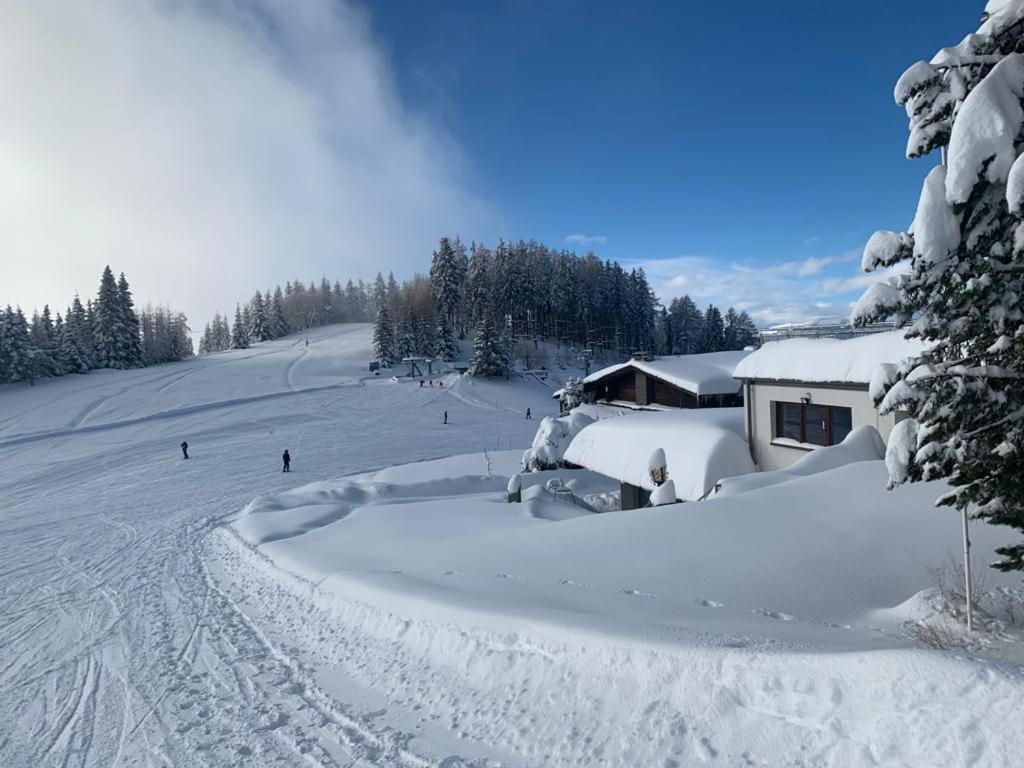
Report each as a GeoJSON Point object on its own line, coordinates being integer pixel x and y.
{"type": "Point", "coordinates": [278, 321]}
{"type": "Point", "coordinates": [444, 340]}
{"type": "Point", "coordinates": [962, 296]}
{"type": "Point", "coordinates": [383, 336]}
{"type": "Point", "coordinates": [406, 340]}
{"type": "Point", "coordinates": [712, 331]}
{"type": "Point", "coordinates": [687, 326]}
{"type": "Point", "coordinates": [446, 278]}
{"type": "Point", "coordinates": [17, 347]}
{"type": "Point", "coordinates": [130, 342]}
{"type": "Point", "coordinates": [490, 357]}
{"type": "Point", "coordinates": [258, 329]}
{"type": "Point", "coordinates": [240, 330]}
{"type": "Point", "coordinates": [108, 324]}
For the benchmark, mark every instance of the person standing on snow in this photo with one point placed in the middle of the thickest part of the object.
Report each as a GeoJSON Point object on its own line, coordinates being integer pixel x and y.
{"type": "Point", "coordinates": [287, 459]}
{"type": "Point", "coordinates": [529, 417]}
{"type": "Point", "coordinates": [184, 449]}
{"type": "Point", "coordinates": [446, 417]}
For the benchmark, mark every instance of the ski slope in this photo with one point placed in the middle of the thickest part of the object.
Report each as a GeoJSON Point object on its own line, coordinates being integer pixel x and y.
{"type": "Point", "coordinates": [116, 646]}
{"type": "Point", "coordinates": [383, 606]}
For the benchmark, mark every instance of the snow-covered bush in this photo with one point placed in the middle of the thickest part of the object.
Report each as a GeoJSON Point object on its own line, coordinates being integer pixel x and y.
{"type": "Point", "coordinates": [664, 494]}
{"type": "Point", "coordinates": [572, 395]}
{"type": "Point", "coordinates": [554, 434]}
{"type": "Point", "coordinates": [962, 293]}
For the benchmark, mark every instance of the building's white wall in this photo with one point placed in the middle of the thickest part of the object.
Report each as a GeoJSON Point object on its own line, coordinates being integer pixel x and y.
{"type": "Point", "coordinates": [761, 415]}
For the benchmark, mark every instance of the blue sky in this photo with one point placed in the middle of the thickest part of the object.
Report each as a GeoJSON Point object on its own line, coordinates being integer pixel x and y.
{"type": "Point", "coordinates": [741, 151]}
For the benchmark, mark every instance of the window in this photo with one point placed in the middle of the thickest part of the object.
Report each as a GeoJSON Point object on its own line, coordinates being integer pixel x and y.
{"type": "Point", "coordinates": [812, 424]}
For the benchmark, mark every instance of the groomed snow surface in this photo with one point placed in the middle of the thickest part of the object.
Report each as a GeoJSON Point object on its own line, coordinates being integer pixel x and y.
{"type": "Point", "coordinates": [385, 606]}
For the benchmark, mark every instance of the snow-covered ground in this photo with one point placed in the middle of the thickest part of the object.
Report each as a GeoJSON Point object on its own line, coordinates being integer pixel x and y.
{"type": "Point", "coordinates": [384, 605]}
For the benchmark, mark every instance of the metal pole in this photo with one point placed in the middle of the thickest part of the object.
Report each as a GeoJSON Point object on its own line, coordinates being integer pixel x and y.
{"type": "Point", "coordinates": [967, 573]}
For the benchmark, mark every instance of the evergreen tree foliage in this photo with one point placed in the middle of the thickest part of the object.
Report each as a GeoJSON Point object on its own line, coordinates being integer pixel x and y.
{"type": "Point", "coordinates": [17, 347]}
{"type": "Point", "coordinates": [407, 346]}
{"type": "Point", "coordinates": [490, 356]}
{"type": "Point", "coordinates": [239, 330]}
{"type": "Point", "coordinates": [963, 292]}
{"type": "Point", "coordinates": [686, 325]}
{"type": "Point", "coordinates": [444, 339]}
{"type": "Point", "coordinates": [712, 331]}
{"type": "Point", "coordinates": [446, 277]}
{"type": "Point", "coordinates": [131, 338]}
{"type": "Point", "coordinates": [383, 335]}
{"type": "Point", "coordinates": [572, 395]}
{"type": "Point", "coordinates": [109, 332]}
{"type": "Point", "coordinates": [259, 330]}
{"type": "Point", "coordinates": [278, 321]}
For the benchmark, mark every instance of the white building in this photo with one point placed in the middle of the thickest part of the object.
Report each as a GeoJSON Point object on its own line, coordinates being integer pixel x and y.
{"type": "Point", "coordinates": [802, 394]}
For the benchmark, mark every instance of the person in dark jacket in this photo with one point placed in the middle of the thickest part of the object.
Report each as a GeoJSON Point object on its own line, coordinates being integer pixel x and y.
{"type": "Point", "coordinates": [528, 414]}
{"type": "Point", "coordinates": [446, 417]}
{"type": "Point", "coordinates": [184, 449]}
{"type": "Point", "coordinates": [287, 459]}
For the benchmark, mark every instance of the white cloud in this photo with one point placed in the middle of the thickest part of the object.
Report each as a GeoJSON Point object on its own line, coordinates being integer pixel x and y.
{"type": "Point", "coordinates": [790, 291]}
{"type": "Point", "coordinates": [209, 149]}
{"type": "Point", "coordinates": [579, 239]}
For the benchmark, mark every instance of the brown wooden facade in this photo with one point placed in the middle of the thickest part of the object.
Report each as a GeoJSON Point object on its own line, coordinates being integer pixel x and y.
{"type": "Point", "coordinates": [641, 389]}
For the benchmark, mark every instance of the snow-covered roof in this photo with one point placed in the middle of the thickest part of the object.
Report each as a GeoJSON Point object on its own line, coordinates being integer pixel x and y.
{"type": "Point", "coordinates": [701, 446]}
{"type": "Point", "coordinates": [827, 361]}
{"type": "Point", "coordinates": [707, 374]}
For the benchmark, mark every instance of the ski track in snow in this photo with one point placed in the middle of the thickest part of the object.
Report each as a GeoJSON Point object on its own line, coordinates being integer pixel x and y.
{"type": "Point", "coordinates": [116, 645]}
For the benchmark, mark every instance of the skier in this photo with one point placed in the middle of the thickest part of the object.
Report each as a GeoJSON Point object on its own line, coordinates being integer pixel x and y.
{"type": "Point", "coordinates": [307, 343]}
{"type": "Point", "coordinates": [287, 459]}
{"type": "Point", "coordinates": [440, 385]}
{"type": "Point", "coordinates": [184, 450]}
{"type": "Point", "coordinates": [431, 383]}
{"type": "Point", "coordinates": [529, 417]}
{"type": "Point", "coordinates": [446, 417]}
{"type": "Point", "coordinates": [421, 382]}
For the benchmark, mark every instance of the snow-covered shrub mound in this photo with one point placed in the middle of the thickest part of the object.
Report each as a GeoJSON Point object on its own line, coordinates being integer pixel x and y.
{"type": "Point", "coordinates": [552, 439]}
{"type": "Point", "coordinates": [862, 444]}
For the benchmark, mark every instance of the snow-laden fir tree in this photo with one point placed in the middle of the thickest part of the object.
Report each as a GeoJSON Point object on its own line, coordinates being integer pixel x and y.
{"type": "Point", "coordinates": [687, 325]}
{"type": "Point", "coordinates": [963, 293]}
{"type": "Point", "coordinates": [490, 356]}
{"type": "Point", "coordinates": [740, 331]}
{"type": "Point", "coordinates": [259, 330]}
{"type": "Point", "coordinates": [383, 336]}
{"type": "Point", "coordinates": [17, 346]}
{"type": "Point", "coordinates": [446, 276]}
{"type": "Point", "coordinates": [109, 333]}
{"type": "Point", "coordinates": [444, 339]}
{"type": "Point", "coordinates": [239, 330]}
{"type": "Point", "coordinates": [571, 396]}
{"type": "Point", "coordinates": [712, 337]}
{"type": "Point", "coordinates": [70, 345]}
{"type": "Point", "coordinates": [131, 342]}
{"type": "Point", "coordinates": [407, 346]}
{"type": "Point", "coordinates": [278, 321]}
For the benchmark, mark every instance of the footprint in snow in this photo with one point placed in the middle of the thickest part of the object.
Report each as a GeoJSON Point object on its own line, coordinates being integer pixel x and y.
{"type": "Point", "coordinates": [773, 614]}
{"type": "Point", "coordinates": [636, 592]}
{"type": "Point", "coordinates": [710, 604]}
{"type": "Point", "coordinates": [512, 576]}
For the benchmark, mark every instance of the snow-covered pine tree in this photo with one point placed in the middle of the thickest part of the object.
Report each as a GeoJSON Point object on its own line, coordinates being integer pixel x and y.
{"type": "Point", "coordinates": [131, 339]}
{"type": "Point", "coordinates": [206, 343]}
{"type": "Point", "coordinates": [478, 284]}
{"type": "Point", "coordinates": [108, 324]}
{"type": "Point", "coordinates": [740, 331]}
{"type": "Point", "coordinates": [686, 323]}
{"type": "Point", "coordinates": [406, 339]}
{"type": "Point", "coordinates": [572, 395]}
{"type": "Point", "coordinates": [444, 339]}
{"type": "Point", "coordinates": [41, 333]}
{"type": "Point", "coordinates": [712, 338]}
{"type": "Point", "coordinates": [70, 345]}
{"type": "Point", "coordinates": [490, 357]}
{"type": "Point", "coordinates": [240, 330]}
{"type": "Point", "coordinates": [383, 336]}
{"type": "Point", "coordinates": [278, 321]}
{"type": "Point", "coordinates": [446, 278]}
{"type": "Point", "coordinates": [17, 346]}
{"type": "Point", "coordinates": [258, 329]}
{"type": "Point", "coordinates": [962, 296]}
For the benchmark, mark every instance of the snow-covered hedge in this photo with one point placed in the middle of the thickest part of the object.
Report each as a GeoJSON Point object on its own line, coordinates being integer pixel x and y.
{"type": "Point", "coordinates": [553, 436]}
